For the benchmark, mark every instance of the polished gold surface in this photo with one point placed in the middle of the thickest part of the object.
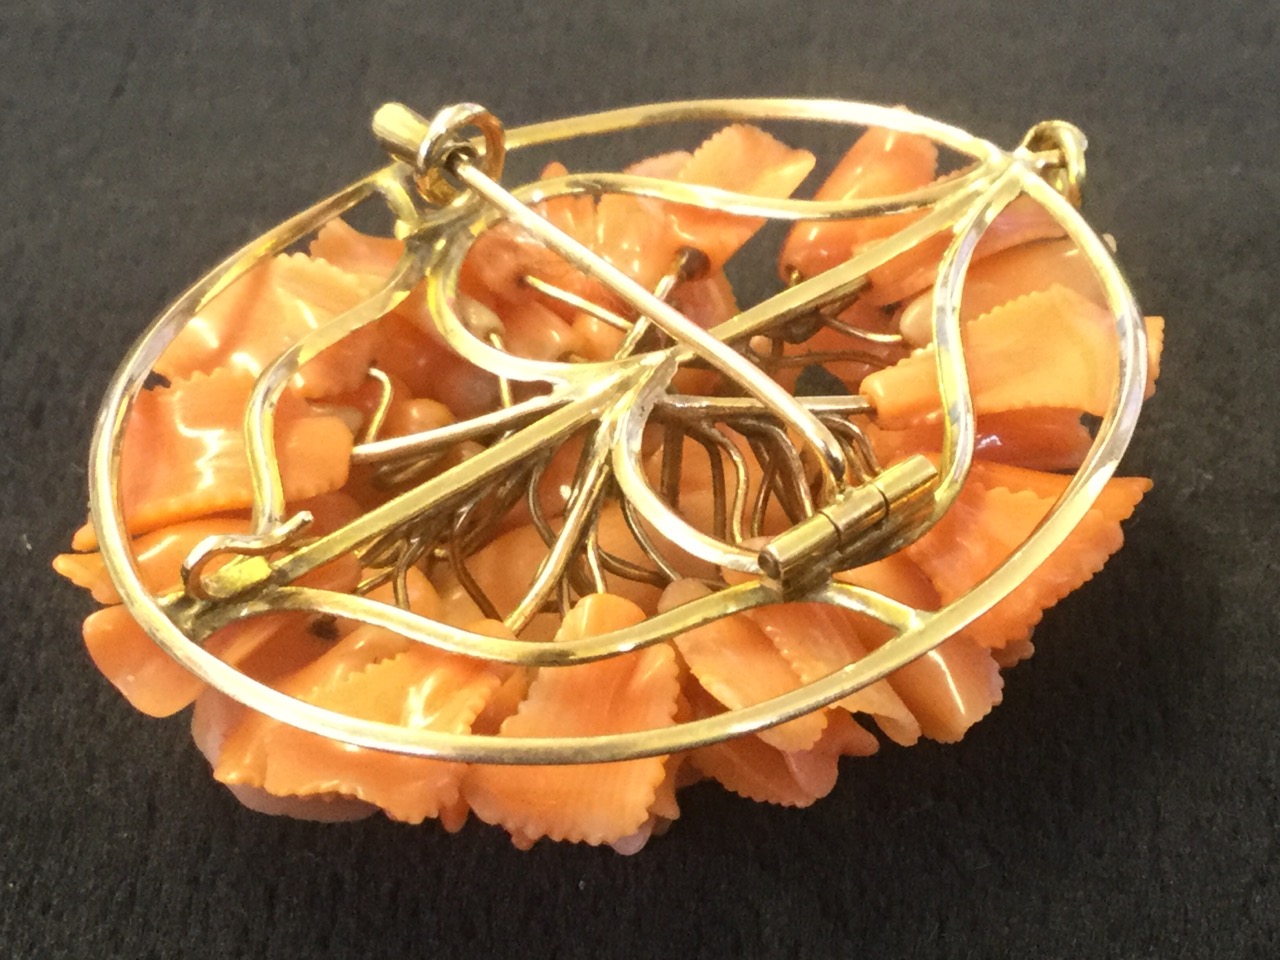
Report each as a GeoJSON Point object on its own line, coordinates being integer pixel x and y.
{"type": "Point", "coordinates": [443, 187]}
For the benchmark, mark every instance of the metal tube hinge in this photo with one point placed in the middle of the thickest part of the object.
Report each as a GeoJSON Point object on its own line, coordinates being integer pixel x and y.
{"type": "Point", "coordinates": [844, 533]}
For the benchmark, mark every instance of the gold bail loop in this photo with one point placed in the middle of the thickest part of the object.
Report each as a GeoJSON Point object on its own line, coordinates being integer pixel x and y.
{"type": "Point", "coordinates": [1064, 170]}
{"type": "Point", "coordinates": [432, 148]}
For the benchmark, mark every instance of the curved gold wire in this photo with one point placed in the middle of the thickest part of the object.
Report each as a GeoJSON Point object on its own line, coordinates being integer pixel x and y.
{"type": "Point", "coordinates": [176, 623]}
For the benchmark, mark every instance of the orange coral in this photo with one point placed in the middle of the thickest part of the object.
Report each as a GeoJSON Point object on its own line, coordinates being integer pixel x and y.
{"type": "Point", "coordinates": [1040, 350]}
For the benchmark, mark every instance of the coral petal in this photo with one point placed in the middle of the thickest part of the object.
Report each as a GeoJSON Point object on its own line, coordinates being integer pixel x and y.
{"type": "Point", "coordinates": [153, 681]}
{"type": "Point", "coordinates": [706, 302]}
{"type": "Point", "coordinates": [1007, 275]}
{"type": "Point", "coordinates": [537, 332]}
{"type": "Point", "coordinates": [665, 166]}
{"type": "Point", "coordinates": [881, 163]}
{"type": "Point", "coordinates": [415, 356]}
{"type": "Point", "coordinates": [751, 768]}
{"type": "Point", "coordinates": [318, 808]}
{"type": "Point", "coordinates": [184, 454]}
{"type": "Point", "coordinates": [1022, 221]}
{"type": "Point", "coordinates": [575, 215]}
{"type": "Point", "coordinates": [496, 267]}
{"type": "Point", "coordinates": [1053, 348]}
{"type": "Point", "coordinates": [743, 159]}
{"type": "Point", "coordinates": [596, 339]}
{"type": "Point", "coordinates": [149, 678]}
{"type": "Point", "coordinates": [1116, 501]}
{"type": "Point", "coordinates": [340, 244]}
{"type": "Point", "coordinates": [632, 234]}
{"type": "Point", "coordinates": [1155, 346]}
{"type": "Point", "coordinates": [373, 674]}
{"type": "Point", "coordinates": [505, 701]}
{"type": "Point", "coordinates": [948, 689]}
{"type": "Point", "coordinates": [505, 568]}
{"type": "Point", "coordinates": [419, 689]}
{"type": "Point", "coordinates": [595, 803]}
{"type": "Point", "coordinates": [407, 417]}
{"type": "Point", "coordinates": [266, 312]}
{"type": "Point", "coordinates": [736, 662]}
{"type": "Point", "coordinates": [816, 641]}
{"type": "Point", "coordinates": [1044, 438]}
{"type": "Point", "coordinates": [159, 556]}
{"type": "Point", "coordinates": [951, 687]}
{"type": "Point", "coordinates": [213, 717]}
{"type": "Point", "coordinates": [984, 526]}
{"type": "Point", "coordinates": [635, 842]}
{"type": "Point", "coordinates": [815, 770]}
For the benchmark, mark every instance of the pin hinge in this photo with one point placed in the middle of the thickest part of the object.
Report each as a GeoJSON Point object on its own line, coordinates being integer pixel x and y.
{"type": "Point", "coordinates": [844, 533]}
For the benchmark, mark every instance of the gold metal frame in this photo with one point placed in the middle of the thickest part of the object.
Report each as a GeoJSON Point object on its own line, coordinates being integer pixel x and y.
{"type": "Point", "coordinates": [442, 187]}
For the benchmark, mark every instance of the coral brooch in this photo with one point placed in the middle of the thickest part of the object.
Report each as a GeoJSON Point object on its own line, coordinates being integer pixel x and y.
{"type": "Point", "coordinates": [516, 512]}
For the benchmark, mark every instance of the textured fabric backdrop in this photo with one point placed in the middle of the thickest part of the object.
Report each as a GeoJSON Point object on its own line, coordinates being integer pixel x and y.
{"type": "Point", "coordinates": [1122, 801]}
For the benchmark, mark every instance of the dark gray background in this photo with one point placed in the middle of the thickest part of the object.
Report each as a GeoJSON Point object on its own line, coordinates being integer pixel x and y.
{"type": "Point", "coordinates": [1122, 802]}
